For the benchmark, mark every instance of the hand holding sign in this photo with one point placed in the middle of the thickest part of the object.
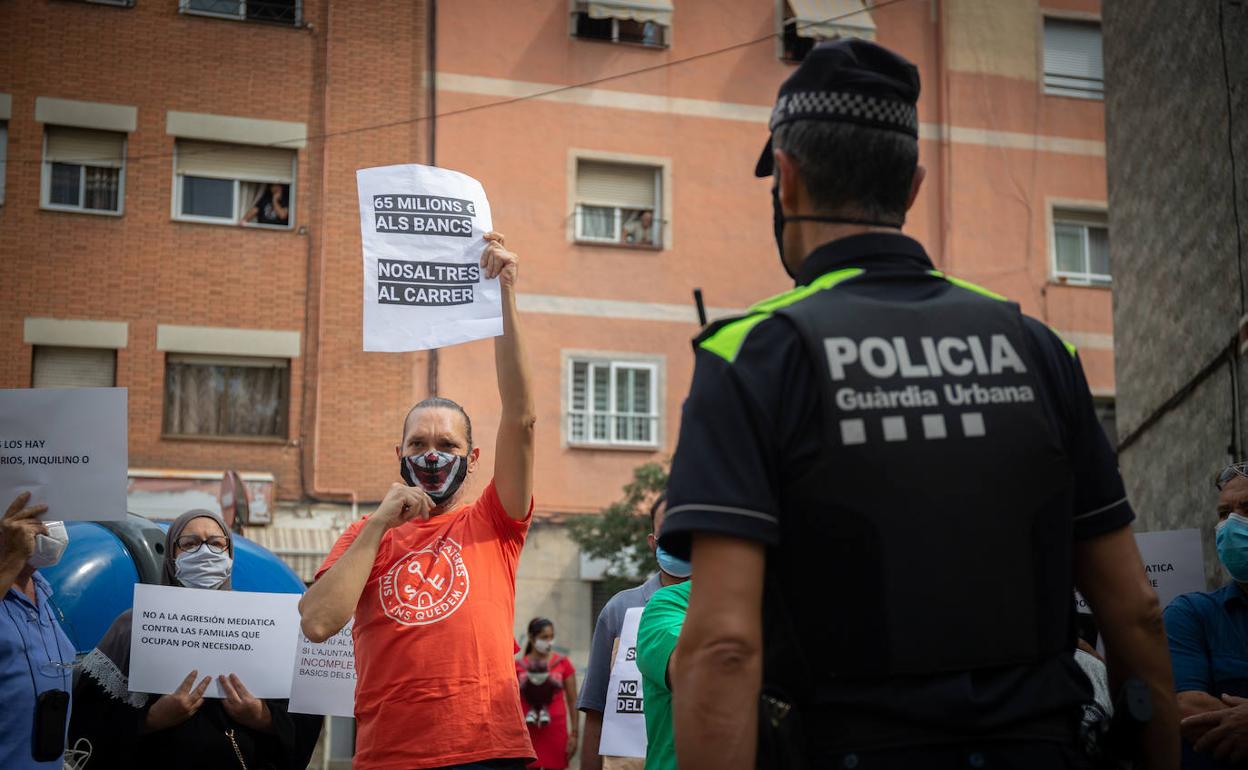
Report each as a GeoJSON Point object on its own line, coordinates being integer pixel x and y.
{"type": "Point", "coordinates": [498, 262]}
{"type": "Point", "coordinates": [17, 535]}
{"type": "Point", "coordinates": [178, 706]}
{"type": "Point", "coordinates": [242, 706]}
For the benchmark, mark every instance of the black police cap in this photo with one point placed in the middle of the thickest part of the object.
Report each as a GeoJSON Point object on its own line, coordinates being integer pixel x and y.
{"type": "Point", "coordinates": [851, 81]}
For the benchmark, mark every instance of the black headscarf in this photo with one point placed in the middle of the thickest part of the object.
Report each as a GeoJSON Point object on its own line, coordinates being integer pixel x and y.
{"type": "Point", "coordinates": [169, 570]}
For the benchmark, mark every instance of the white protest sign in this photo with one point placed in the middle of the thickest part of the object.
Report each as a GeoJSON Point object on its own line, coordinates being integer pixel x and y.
{"type": "Point", "coordinates": [67, 447]}
{"type": "Point", "coordinates": [1173, 561]}
{"type": "Point", "coordinates": [324, 676]}
{"type": "Point", "coordinates": [175, 630]}
{"type": "Point", "coordinates": [421, 228]}
{"type": "Point", "coordinates": [624, 723]}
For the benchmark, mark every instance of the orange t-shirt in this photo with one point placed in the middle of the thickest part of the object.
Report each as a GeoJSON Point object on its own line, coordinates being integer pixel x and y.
{"type": "Point", "coordinates": [435, 677]}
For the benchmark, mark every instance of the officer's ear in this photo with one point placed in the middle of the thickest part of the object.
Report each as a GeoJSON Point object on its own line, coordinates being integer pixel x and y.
{"type": "Point", "coordinates": [789, 184]}
{"type": "Point", "coordinates": [920, 173]}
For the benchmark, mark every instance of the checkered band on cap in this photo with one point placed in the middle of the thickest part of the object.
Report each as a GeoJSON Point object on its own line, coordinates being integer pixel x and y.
{"type": "Point", "coordinates": [830, 105]}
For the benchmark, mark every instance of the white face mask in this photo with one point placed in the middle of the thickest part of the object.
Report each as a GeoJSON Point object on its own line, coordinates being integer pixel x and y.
{"type": "Point", "coordinates": [50, 547]}
{"type": "Point", "coordinates": [203, 568]}
{"type": "Point", "coordinates": [543, 645]}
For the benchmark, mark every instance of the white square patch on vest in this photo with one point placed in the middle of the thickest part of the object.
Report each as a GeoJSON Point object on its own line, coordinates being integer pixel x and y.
{"type": "Point", "coordinates": [894, 428]}
{"type": "Point", "coordinates": [853, 432]}
{"type": "Point", "coordinates": [973, 424]}
{"type": "Point", "coordinates": [933, 426]}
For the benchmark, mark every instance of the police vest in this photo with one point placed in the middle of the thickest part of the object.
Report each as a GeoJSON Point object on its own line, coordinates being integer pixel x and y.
{"type": "Point", "coordinates": [936, 521]}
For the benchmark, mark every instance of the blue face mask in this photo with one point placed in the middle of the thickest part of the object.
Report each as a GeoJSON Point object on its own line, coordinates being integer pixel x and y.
{"type": "Point", "coordinates": [1232, 539]}
{"type": "Point", "coordinates": [678, 568]}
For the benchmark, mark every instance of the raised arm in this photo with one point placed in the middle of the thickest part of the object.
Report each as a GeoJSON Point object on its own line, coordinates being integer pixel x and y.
{"type": "Point", "coordinates": [513, 454]}
{"type": "Point", "coordinates": [1110, 575]}
{"type": "Point", "coordinates": [330, 602]}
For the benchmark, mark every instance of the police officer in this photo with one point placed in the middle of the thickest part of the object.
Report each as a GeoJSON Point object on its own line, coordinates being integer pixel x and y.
{"type": "Point", "coordinates": [890, 480]}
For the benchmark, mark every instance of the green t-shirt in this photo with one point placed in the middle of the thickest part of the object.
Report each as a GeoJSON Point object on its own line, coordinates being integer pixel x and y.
{"type": "Point", "coordinates": [656, 639]}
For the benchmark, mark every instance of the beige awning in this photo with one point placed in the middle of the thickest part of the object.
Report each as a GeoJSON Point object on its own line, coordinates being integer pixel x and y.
{"type": "Point", "coordinates": [302, 548]}
{"type": "Point", "coordinates": [826, 19]}
{"type": "Point", "coordinates": [84, 147]}
{"type": "Point", "coordinates": [658, 11]}
{"type": "Point", "coordinates": [218, 160]}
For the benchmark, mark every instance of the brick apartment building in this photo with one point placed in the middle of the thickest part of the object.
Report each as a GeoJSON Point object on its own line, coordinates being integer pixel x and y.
{"type": "Point", "coordinates": [621, 195]}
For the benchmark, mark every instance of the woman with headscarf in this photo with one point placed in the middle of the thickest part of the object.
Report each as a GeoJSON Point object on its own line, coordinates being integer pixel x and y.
{"type": "Point", "coordinates": [182, 729]}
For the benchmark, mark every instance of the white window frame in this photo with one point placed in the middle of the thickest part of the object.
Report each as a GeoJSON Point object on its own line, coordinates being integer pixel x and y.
{"type": "Point", "coordinates": [184, 6]}
{"type": "Point", "coordinates": [659, 224]}
{"type": "Point", "coordinates": [1075, 277]}
{"type": "Point", "coordinates": [582, 7]}
{"type": "Point", "coordinates": [613, 364]}
{"type": "Point", "coordinates": [233, 221]}
{"type": "Point", "coordinates": [1075, 17]}
{"type": "Point", "coordinates": [45, 182]}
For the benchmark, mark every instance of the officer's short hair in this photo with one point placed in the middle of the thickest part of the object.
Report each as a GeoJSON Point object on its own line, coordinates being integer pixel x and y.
{"type": "Point", "coordinates": [852, 170]}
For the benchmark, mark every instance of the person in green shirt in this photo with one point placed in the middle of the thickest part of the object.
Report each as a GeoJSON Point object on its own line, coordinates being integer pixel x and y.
{"type": "Point", "coordinates": [656, 644]}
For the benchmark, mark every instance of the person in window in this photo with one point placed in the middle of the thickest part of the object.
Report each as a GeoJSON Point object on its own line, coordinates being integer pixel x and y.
{"type": "Point", "coordinates": [138, 730]}
{"type": "Point", "coordinates": [639, 229]}
{"type": "Point", "coordinates": [36, 657]}
{"type": "Point", "coordinates": [271, 208]}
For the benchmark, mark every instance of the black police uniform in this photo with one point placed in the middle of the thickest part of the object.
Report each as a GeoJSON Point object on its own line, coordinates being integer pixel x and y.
{"type": "Point", "coordinates": [919, 458]}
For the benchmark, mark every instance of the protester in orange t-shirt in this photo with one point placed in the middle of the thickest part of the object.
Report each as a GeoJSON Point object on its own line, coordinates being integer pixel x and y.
{"type": "Point", "coordinates": [432, 582]}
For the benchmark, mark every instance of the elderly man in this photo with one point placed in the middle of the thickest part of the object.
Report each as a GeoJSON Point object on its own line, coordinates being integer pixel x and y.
{"type": "Point", "coordinates": [890, 481]}
{"type": "Point", "coordinates": [1208, 635]}
{"type": "Point", "coordinates": [36, 658]}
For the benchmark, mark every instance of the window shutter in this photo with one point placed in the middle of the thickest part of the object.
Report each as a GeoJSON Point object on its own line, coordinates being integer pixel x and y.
{"type": "Point", "coordinates": [1072, 57]}
{"type": "Point", "coordinates": [658, 11]}
{"type": "Point", "coordinates": [249, 163]}
{"type": "Point", "coordinates": [84, 147]}
{"type": "Point", "coordinates": [828, 19]}
{"type": "Point", "coordinates": [615, 184]}
{"type": "Point", "coordinates": [60, 367]}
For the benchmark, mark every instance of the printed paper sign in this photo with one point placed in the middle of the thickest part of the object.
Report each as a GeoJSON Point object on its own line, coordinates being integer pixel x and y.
{"type": "Point", "coordinates": [324, 678]}
{"type": "Point", "coordinates": [1173, 561]}
{"type": "Point", "coordinates": [422, 230]}
{"type": "Point", "coordinates": [175, 630]}
{"type": "Point", "coordinates": [624, 723]}
{"type": "Point", "coordinates": [67, 447]}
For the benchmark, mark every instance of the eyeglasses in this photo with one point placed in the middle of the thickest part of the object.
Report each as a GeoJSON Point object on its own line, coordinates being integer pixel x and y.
{"type": "Point", "coordinates": [191, 543]}
{"type": "Point", "coordinates": [1230, 472]}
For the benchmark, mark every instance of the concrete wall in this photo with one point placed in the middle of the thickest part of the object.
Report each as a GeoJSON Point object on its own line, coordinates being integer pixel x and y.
{"type": "Point", "coordinates": [549, 585]}
{"type": "Point", "coordinates": [1177, 286]}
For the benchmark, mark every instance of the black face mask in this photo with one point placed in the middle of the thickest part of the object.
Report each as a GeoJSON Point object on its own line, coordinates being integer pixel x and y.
{"type": "Point", "coordinates": [778, 221]}
{"type": "Point", "coordinates": [439, 474]}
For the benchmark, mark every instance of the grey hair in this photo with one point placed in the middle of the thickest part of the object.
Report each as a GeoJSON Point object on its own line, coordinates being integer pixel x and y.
{"type": "Point", "coordinates": [852, 170]}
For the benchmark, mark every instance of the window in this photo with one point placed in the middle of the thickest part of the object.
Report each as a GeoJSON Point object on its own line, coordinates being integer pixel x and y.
{"type": "Point", "coordinates": [226, 396]}
{"type": "Point", "coordinates": [4, 154]}
{"type": "Point", "coordinates": [66, 367]}
{"type": "Point", "coordinates": [613, 403]}
{"type": "Point", "coordinates": [1072, 59]}
{"type": "Point", "coordinates": [233, 184]}
{"type": "Point", "coordinates": [1081, 248]}
{"type": "Point", "coordinates": [618, 203]}
{"type": "Point", "coordinates": [804, 23]}
{"type": "Point", "coordinates": [83, 170]}
{"type": "Point", "coordinates": [644, 22]}
{"type": "Point", "coordinates": [274, 11]}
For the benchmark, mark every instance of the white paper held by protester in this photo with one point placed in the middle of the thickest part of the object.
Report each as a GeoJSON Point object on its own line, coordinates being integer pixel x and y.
{"type": "Point", "coordinates": [624, 723]}
{"type": "Point", "coordinates": [67, 447]}
{"type": "Point", "coordinates": [422, 231]}
{"type": "Point", "coordinates": [324, 675]}
{"type": "Point", "coordinates": [176, 630]}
